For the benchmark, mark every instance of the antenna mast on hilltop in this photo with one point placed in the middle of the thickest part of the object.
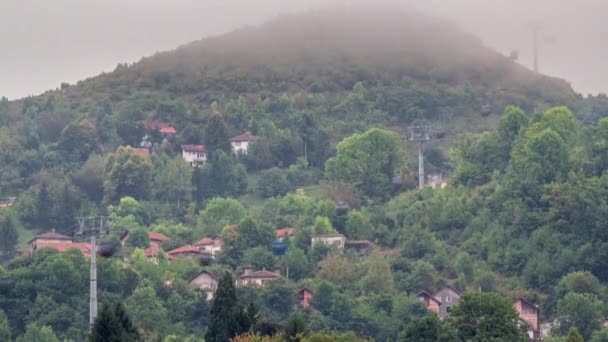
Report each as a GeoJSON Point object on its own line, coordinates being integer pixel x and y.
{"type": "Point", "coordinates": [535, 29]}
{"type": "Point", "coordinates": [93, 226]}
{"type": "Point", "coordinates": [420, 134]}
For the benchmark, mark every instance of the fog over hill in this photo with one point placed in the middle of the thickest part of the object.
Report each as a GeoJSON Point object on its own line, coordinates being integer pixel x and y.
{"type": "Point", "coordinates": [68, 40]}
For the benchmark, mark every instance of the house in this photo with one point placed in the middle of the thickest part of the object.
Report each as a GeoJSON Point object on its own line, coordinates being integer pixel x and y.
{"type": "Point", "coordinates": [58, 242]}
{"type": "Point", "coordinates": [151, 253]}
{"type": "Point", "coordinates": [337, 240]}
{"type": "Point", "coordinates": [7, 202]}
{"type": "Point", "coordinates": [206, 282]}
{"type": "Point", "coordinates": [528, 314]}
{"type": "Point", "coordinates": [258, 278]}
{"type": "Point", "coordinates": [362, 247]}
{"type": "Point", "coordinates": [210, 245]}
{"type": "Point", "coordinates": [285, 232]}
{"type": "Point", "coordinates": [156, 239]}
{"type": "Point", "coordinates": [156, 130]}
{"type": "Point", "coordinates": [195, 155]}
{"type": "Point", "coordinates": [142, 152]}
{"type": "Point", "coordinates": [304, 296]}
{"type": "Point", "coordinates": [429, 301]}
{"type": "Point", "coordinates": [63, 247]}
{"type": "Point", "coordinates": [50, 237]}
{"type": "Point", "coordinates": [240, 143]}
{"type": "Point", "coordinates": [435, 180]}
{"type": "Point", "coordinates": [448, 297]}
{"type": "Point", "coordinates": [187, 251]}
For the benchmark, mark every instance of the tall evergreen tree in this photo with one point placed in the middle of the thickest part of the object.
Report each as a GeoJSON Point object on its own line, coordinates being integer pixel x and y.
{"type": "Point", "coordinates": [113, 325]}
{"type": "Point", "coordinates": [10, 237]}
{"type": "Point", "coordinates": [224, 312]}
{"type": "Point", "coordinates": [129, 332]}
{"type": "Point", "coordinates": [65, 211]}
{"type": "Point", "coordinates": [106, 327]}
{"type": "Point", "coordinates": [216, 135]}
{"type": "Point", "coordinates": [43, 207]}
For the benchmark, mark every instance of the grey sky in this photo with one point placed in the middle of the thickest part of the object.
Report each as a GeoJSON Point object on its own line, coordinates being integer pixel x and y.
{"type": "Point", "coordinates": [47, 42]}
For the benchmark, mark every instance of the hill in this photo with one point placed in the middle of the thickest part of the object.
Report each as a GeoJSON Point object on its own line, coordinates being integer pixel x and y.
{"type": "Point", "coordinates": [523, 214]}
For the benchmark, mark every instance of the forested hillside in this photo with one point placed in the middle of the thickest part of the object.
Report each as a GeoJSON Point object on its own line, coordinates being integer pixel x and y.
{"type": "Point", "coordinates": [328, 97]}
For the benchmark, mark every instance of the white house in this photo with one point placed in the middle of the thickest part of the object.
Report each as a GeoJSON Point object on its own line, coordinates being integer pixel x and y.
{"type": "Point", "coordinates": [240, 143]}
{"type": "Point", "coordinates": [206, 282]}
{"type": "Point", "coordinates": [258, 278]}
{"type": "Point", "coordinates": [210, 245]}
{"type": "Point", "coordinates": [195, 155]}
{"type": "Point", "coordinates": [338, 240]}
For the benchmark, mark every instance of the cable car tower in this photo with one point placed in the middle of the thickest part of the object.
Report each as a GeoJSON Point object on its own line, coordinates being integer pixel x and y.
{"type": "Point", "coordinates": [93, 226]}
{"type": "Point", "coordinates": [420, 134]}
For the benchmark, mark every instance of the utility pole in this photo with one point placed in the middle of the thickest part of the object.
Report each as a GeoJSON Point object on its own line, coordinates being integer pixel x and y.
{"type": "Point", "coordinates": [420, 134]}
{"type": "Point", "coordinates": [535, 39]}
{"type": "Point", "coordinates": [92, 226]}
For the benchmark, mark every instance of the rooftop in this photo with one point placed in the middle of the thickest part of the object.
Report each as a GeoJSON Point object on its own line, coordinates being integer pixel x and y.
{"type": "Point", "coordinates": [52, 235]}
{"type": "Point", "coordinates": [194, 148]}
{"type": "Point", "coordinates": [245, 137]}
{"type": "Point", "coordinates": [185, 249]}
{"type": "Point", "coordinates": [158, 236]}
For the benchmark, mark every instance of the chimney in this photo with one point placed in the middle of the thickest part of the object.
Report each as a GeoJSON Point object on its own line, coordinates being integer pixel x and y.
{"type": "Point", "coordinates": [247, 269]}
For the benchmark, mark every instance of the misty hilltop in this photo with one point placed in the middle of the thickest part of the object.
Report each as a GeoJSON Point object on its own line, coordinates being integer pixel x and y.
{"type": "Point", "coordinates": [328, 52]}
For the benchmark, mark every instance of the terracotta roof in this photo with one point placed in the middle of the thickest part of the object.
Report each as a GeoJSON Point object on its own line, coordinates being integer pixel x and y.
{"type": "Point", "coordinates": [61, 247]}
{"type": "Point", "coordinates": [260, 274]}
{"type": "Point", "coordinates": [527, 302]}
{"type": "Point", "coordinates": [305, 289]}
{"type": "Point", "coordinates": [245, 137]}
{"type": "Point", "coordinates": [52, 235]}
{"type": "Point", "coordinates": [158, 236]}
{"type": "Point", "coordinates": [194, 148]}
{"type": "Point", "coordinates": [426, 294]}
{"type": "Point", "coordinates": [162, 127]}
{"type": "Point", "coordinates": [142, 152]}
{"type": "Point", "coordinates": [282, 232]}
{"type": "Point", "coordinates": [204, 242]}
{"type": "Point", "coordinates": [151, 252]}
{"type": "Point", "coordinates": [185, 249]}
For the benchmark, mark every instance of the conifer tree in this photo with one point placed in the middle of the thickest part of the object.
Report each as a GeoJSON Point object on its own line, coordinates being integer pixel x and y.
{"type": "Point", "coordinates": [216, 135]}
{"type": "Point", "coordinates": [10, 238]}
{"type": "Point", "coordinates": [224, 312]}
{"type": "Point", "coordinates": [43, 207]}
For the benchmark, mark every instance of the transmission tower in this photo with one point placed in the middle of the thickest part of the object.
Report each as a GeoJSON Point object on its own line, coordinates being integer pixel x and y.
{"type": "Point", "coordinates": [420, 134]}
{"type": "Point", "coordinates": [93, 226]}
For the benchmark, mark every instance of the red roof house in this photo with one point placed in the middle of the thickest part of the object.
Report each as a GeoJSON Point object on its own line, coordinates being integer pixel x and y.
{"type": "Point", "coordinates": [162, 127]}
{"type": "Point", "coordinates": [285, 232]}
{"type": "Point", "coordinates": [240, 143]}
{"type": "Point", "coordinates": [528, 313]}
{"type": "Point", "coordinates": [187, 251]}
{"type": "Point", "coordinates": [258, 277]}
{"type": "Point", "coordinates": [245, 137]}
{"type": "Point", "coordinates": [429, 301]}
{"type": "Point", "coordinates": [141, 151]}
{"type": "Point", "coordinates": [304, 296]}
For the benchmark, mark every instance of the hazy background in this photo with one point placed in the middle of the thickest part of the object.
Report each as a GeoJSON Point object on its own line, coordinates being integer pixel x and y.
{"type": "Point", "coordinates": [44, 43]}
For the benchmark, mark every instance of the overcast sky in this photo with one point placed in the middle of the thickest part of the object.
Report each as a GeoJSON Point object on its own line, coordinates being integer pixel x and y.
{"type": "Point", "coordinates": [46, 42]}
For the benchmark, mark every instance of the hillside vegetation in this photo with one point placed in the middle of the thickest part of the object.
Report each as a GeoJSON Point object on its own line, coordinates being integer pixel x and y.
{"type": "Point", "coordinates": [329, 97]}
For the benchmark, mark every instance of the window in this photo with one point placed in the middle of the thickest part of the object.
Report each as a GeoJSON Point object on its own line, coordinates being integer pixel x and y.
{"type": "Point", "coordinates": [448, 299]}
{"type": "Point", "coordinates": [448, 309]}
